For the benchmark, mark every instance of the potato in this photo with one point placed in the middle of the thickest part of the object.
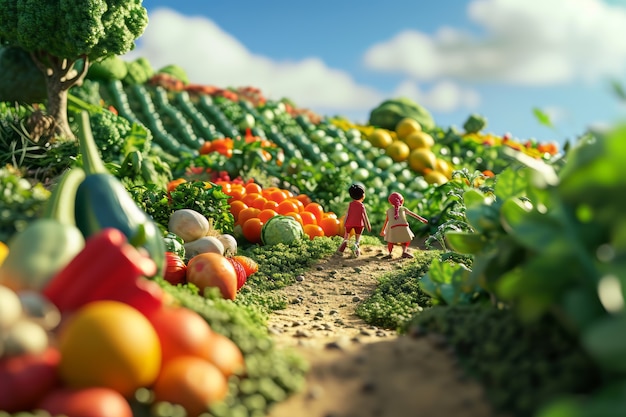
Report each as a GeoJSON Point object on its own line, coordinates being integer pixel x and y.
{"type": "Point", "coordinates": [204, 245]}
{"type": "Point", "coordinates": [188, 224]}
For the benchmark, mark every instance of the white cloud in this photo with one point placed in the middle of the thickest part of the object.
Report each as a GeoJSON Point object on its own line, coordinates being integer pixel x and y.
{"type": "Point", "coordinates": [523, 42]}
{"type": "Point", "coordinates": [444, 96]}
{"type": "Point", "coordinates": [211, 56]}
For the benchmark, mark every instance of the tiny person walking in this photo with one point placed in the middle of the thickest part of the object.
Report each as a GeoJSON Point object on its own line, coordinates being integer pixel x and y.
{"type": "Point", "coordinates": [396, 230]}
{"type": "Point", "coordinates": [356, 219]}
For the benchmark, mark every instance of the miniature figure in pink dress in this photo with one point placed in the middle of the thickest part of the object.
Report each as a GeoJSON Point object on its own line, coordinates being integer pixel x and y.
{"type": "Point", "coordinates": [396, 229]}
{"type": "Point", "coordinates": [356, 219]}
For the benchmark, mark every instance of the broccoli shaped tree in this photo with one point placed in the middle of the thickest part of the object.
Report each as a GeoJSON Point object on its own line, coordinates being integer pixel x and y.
{"type": "Point", "coordinates": [64, 36]}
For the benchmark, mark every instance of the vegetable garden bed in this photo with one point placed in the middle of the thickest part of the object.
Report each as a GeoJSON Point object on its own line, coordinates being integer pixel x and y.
{"type": "Point", "coordinates": [525, 286]}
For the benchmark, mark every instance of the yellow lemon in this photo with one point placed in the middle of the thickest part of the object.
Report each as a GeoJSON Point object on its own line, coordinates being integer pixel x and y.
{"type": "Point", "coordinates": [381, 138]}
{"type": "Point", "coordinates": [398, 151]}
{"type": "Point", "coordinates": [421, 159]}
{"type": "Point", "coordinates": [435, 177]}
{"type": "Point", "coordinates": [444, 167]}
{"type": "Point", "coordinates": [109, 344]}
{"type": "Point", "coordinates": [407, 126]}
{"type": "Point", "coordinates": [419, 139]}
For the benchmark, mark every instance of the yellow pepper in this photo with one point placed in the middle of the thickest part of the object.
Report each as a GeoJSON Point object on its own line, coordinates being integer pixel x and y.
{"type": "Point", "coordinates": [4, 251]}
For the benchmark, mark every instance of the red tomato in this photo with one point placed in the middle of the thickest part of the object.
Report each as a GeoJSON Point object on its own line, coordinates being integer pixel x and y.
{"type": "Point", "coordinates": [86, 402]}
{"type": "Point", "coordinates": [213, 270]}
{"type": "Point", "coordinates": [26, 379]}
{"type": "Point", "coordinates": [175, 269]}
{"type": "Point", "coordinates": [181, 332]}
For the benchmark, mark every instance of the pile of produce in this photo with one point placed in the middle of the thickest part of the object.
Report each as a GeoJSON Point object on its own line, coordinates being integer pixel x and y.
{"type": "Point", "coordinates": [190, 204]}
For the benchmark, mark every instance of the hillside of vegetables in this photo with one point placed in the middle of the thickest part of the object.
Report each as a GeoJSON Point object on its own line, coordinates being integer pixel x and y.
{"type": "Point", "coordinates": [527, 242]}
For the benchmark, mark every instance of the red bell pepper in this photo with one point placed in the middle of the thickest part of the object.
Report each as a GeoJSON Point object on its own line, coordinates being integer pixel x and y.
{"type": "Point", "coordinates": [108, 268]}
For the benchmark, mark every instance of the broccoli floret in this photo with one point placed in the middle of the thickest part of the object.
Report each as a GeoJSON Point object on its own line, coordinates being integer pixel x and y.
{"type": "Point", "coordinates": [139, 71]}
{"type": "Point", "coordinates": [110, 68]}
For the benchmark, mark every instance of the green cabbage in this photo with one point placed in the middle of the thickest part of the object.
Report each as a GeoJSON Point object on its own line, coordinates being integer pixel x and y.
{"type": "Point", "coordinates": [281, 229]}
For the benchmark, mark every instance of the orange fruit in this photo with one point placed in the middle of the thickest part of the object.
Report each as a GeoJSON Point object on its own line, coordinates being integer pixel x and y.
{"type": "Point", "coordinates": [398, 151]}
{"type": "Point", "coordinates": [247, 213]}
{"type": "Point", "coordinates": [298, 203]}
{"type": "Point", "coordinates": [267, 214]}
{"type": "Point", "coordinates": [212, 270]}
{"type": "Point", "coordinates": [259, 202]}
{"type": "Point", "coordinates": [305, 199]}
{"type": "Point", "coordinates": [313, 230]}
{"type": "Point", "coordinates": [191, 382]}
{"type": "Point", "coordinates": [331, 226]}
{"type": "Point", "coordinates": [295, 216]}
{"type": "Point", "coordinates": [308, 217]}
{"type": "Point", "coordinates": [109, 344]}
{"type": "Point", "coordinates": [253, 188]}
{"type": "Point", "coordinates": [277, 196]}
{"type": "Point", "coordinates": [269, 204]}
{"type": "Point", "coordinates": [250, 197]}
{"type": "Point", "coordinates": [225, 355]}
{"type": "Point", "coordinates": [251, 230]}
{"type": "Point", "coordinates": [236, 192]}
{"type": "Point", "coordinates": [316, 209]}
{"type": "Point", "coordinates": [287, 206]}
{"type": "Point", "coordinates": [267, 191]}
{"type": "Point", "coordinates": [181, 331]}
{"type": "Point", "coordinates": [249, 264]}
{"type": "Point", "coordinates": [236, 207]}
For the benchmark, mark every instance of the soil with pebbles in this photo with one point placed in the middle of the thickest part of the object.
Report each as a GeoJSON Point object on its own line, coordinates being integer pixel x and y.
{"type": "Point", "coordinates": [357, 370]}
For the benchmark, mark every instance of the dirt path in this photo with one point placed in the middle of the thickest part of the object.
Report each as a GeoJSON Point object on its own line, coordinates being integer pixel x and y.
{"type": "Point", "coordinates": [358, 370]}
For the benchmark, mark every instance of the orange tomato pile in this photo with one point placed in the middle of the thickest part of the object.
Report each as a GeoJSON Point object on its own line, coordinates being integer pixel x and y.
{"type": "Point", "coordinates": [226, 146]}
{"type": "Point", "coordinates": [252, 206]}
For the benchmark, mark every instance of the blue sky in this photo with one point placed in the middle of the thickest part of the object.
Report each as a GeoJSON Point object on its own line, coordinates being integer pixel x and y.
{"type": "Point", "coordinates": [498, 58]}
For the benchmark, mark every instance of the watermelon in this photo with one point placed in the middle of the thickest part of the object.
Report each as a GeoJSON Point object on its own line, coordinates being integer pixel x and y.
{"type": "Point", "coordinates": [281, 229]}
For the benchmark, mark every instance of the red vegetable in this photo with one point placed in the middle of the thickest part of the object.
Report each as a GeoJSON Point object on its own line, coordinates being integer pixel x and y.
{"type": "Point", "coordinates": [241, 272]}
{"type": "Point", "coordinates": [26, 379]}
{"type": "Point", "coordinates": [213, 270]}
{"type": "Point", "coordinates": [86, 402]}
{"type": "Point", "coordinates": [175, 269]}
{"type": "Point", "coordinates": [108, 268]}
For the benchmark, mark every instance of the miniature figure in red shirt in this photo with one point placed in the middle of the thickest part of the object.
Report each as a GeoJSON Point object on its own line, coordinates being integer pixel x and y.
{"type": "Point", "coordinates": [396, 228]}
{"type": "Point", "coordinates": [356, 219]}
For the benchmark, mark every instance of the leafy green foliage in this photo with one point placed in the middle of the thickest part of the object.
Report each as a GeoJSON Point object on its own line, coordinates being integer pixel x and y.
{"type": "Point", "coordinates": [523, 367]}
{"type": "Point", "coordinates": [21, 80]}
{"type": "Point", "coordinates": [20, 202]}
{"type": "Point", "coordinates": [474, 123]}
{"type": "Point", "coordinates": [209, 200]}
{"type": "Point", "coordinates": [398, 295]}
{"type": "Point", "coordinates": [554, 245]}
{"type": "Point", "coordinates": [138, 71]}
{"type": "Point", "coordinates": [280, 264]}
{"type": "Point", "coordinates": [324, 182]}
{"type": "Point", "coordinates": [542, 117]}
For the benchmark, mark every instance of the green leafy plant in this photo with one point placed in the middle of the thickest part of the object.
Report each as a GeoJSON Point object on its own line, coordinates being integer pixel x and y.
{"type": "Point", "coordinates": [398, 295]}
{"type": "Point", "coordinates": [554, 245]}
